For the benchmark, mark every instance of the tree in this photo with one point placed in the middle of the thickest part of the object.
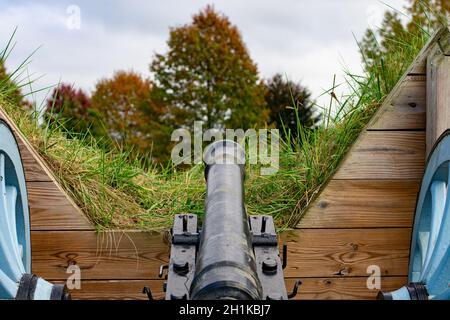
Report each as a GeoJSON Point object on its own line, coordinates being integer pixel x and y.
{"type": "Point", "coordinates": [208, 75]}
{"type": "Point", "coordinates": [9, 90]}
{"type": "Point", "coordinates": [72, 108]}
{"type": "Point", "coordinates": [375, 46]}
{"type": "Point", "coordinates": [286, 101]}
{"type": "Point", "coordinates": [129, 115]}
{"type": "Point", "coordinates": [425, 15]}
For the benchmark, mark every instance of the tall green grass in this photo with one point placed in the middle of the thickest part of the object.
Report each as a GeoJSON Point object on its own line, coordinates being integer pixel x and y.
{"type": "Point", "coordinates": [115, 191]}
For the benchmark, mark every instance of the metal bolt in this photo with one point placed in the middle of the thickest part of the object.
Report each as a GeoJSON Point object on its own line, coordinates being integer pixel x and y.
{"type": "Point", "coordinates": [274, 296]}
{"type": "Point", "coordinates": [270, 266]}
{"type": "Point", "coordinates": [181, 268]}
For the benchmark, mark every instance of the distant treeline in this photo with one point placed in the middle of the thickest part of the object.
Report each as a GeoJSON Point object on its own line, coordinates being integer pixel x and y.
{"type": "Point", "coordinates": [207, 75]}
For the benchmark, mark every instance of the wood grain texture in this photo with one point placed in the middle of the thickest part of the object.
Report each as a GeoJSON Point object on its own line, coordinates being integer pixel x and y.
{"type": "Point", "coordinates": [386, 155]}
{"type": "Point", "coordinates": [347, 288]}
{"type": "Point", "coordinates": [438, 98]}
{"type": "Point", "coordinates": [405, 110]}
{"type": "Point", "coordinates": [363, 204]}
{"type": "Point", "coordinates": [419, 65]}
{"type": "Point", "coordinates": [138, 255]}
{"type": "Point", "coordinates": [34, 172]}
{"type": "Point", "coordinates": [346, 252]}
{"type": "Point", "coordinates": [311, 288]}
{"type": "Point", "coordinates": [117, 290]}
{"type": "Point", "coordinates": [51, 210]}
{"type": "Point", "coordinates": [34, 168]}
{"type": "Point", "coordinates": [107, 255]}
{"type": "Point", "coordinates": [50, 207]}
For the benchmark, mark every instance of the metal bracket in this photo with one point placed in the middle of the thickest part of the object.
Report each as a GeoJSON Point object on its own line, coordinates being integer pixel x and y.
{"type": "Point", "coordinates": [269, 266]}
{"type": "Point", "coordinates": [181, 268]}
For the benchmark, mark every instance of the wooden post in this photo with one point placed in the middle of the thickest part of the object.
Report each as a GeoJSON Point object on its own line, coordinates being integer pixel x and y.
{"type": "Point", "coordinates": [438, 96]}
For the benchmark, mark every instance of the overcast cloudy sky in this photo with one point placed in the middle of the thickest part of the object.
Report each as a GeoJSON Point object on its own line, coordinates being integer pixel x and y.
{"type": "Point", "coordinates": [309, 41]}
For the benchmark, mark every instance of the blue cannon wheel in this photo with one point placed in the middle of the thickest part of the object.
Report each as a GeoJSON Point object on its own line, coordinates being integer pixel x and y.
{"type": "Point", "coordinates": [429, 265]}
{"type": "Point", "coordinates": [15, 250]}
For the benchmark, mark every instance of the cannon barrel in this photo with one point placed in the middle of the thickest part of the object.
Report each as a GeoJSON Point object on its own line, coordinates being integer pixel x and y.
{"type": "Point", "coordinates": [233, 256]}
{"type": "Point", "coordinates": [226, 267]}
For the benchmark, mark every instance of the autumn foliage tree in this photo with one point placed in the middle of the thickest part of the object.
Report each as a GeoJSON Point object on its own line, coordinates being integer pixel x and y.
{"type": "Point", "coordinates": [129, 115]}
{"type": "Point", "coordinates": [208, 75]}
{"type": "Point", "coordinates": [72, 109]}
{"type": "Point", "coordinates": [290, 105]}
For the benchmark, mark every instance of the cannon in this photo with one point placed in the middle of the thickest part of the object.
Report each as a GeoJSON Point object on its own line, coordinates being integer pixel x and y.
{"type": "Point", "coordinates": [233, 256]}
{"type": "Point", "coordinates": [16, 279]}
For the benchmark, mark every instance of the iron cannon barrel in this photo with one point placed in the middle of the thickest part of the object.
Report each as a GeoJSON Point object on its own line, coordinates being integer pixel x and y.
{"type": "Point", "coordinates": [225, 267]}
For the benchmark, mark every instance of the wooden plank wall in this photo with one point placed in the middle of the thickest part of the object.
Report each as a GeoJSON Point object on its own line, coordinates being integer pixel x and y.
{"type": "Point", "coordinates": [117, 265]}
{"type": "Point", "coordinates": [50, 207]}
{"type": "Point", "coordinates": [369, 204]}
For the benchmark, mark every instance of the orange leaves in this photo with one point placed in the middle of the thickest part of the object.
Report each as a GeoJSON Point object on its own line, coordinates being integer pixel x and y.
{"type": "Point", "coordinates": [208, 75]}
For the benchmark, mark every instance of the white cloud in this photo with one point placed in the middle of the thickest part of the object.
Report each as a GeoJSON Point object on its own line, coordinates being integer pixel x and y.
{"type": "Point", "coordinates": [304, 39]}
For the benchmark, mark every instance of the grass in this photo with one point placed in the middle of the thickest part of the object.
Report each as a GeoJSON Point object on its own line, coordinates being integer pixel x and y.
{"type": "Point", "coordinates": [116, 192]}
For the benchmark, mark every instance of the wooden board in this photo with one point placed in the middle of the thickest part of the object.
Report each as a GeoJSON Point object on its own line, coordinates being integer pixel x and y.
{"type": "Point", "coordinates": [311, 288]}
{"type": "Point", "coordinates": [344, 288]}
{"type": "Point", "coordinates": [34, 171]}
{"type": "Point", "coordinates": [419, 66]}
{"type": "Point", "coordinates": [50, 207]}
{"type": "Point", "coordinates": [51, 210]}
{"type": "Point", "coordinates": [108, 255]}
{"type": "Point", "coordinates": [386, 155]}
{"type": "Point", "coordinates": [405, 110]}
{"type": "Point", "coordinates": [34, 167]}
{"type": "Point", "coordinates": [346, 252]}
{"type": "Point", "coordinates": [138, 255]}
{"type": "Point", "coordinates": [438, 97]}
{"type": "Point", "coordinates": [363, 204]}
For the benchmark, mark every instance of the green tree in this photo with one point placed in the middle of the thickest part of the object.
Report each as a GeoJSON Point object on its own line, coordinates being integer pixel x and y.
{"type": "Point", "coordinates": [425, 15]}
{"type": "Point", "coordinates": [208, 75]}
{"type": "Point", "coordinates": [289, 104]}
{"type": "Point", "coordinates": [9, 90]}
{"type": "Point", "coordinates": [430, 13]}
{"type": "Point", "coordinates": [376, 45]}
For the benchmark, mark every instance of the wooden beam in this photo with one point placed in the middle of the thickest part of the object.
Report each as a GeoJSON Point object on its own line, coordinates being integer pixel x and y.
{"type": "Point", "coordinates": [347, 288]}
{"type": "Point", "coordinates": [105, 255]}
{"type": "Point", "coordinates": [385, 155]}
{"type": "Point", "coordinates": [50, 206]}
{"type": "Point", "coordinates": [138, 255]}
{"type": "Point", "coordinates": [346, 252]}
{"type": "Point", "coordinates": [363, 204]}
{"type": "Point", "coordinates": [438, 97]}
{"type": "Point", "coordinates": [311, 288]}
{"type": "Point", "coordinates": [405, 110]}
{"type": "Point", "coordinates": [51, 210]}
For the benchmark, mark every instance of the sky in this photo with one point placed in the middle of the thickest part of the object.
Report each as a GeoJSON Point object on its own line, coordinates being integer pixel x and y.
{"type": "Point", "coordinates": [82, 41]}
